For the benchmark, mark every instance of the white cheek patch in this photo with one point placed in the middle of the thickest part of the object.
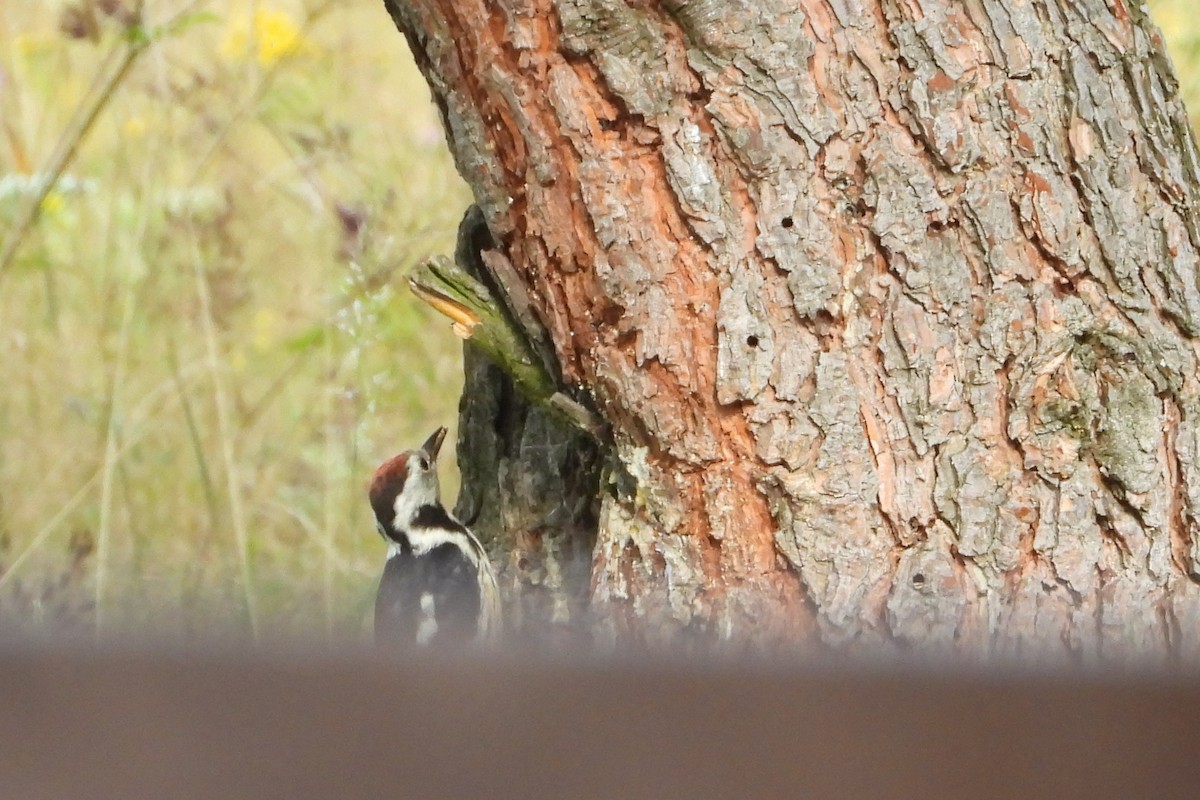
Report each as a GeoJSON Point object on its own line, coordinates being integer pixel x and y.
{"type": "Point", "coordinates": [420, 489]}
{"type": "Point", "coordinates": [428, 626]}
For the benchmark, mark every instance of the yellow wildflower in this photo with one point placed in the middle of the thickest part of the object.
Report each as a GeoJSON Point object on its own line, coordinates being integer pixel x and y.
{"type": "Point", "coordinates": [29, 44]}
{"type": "Point", "coordinates": [276, 35]}
{"type": "Point", "coordinates": [273, 36]}
{"type": "Point", "coordinates": [267, 325]}
{"type": "Point", "coordinates": [134, 127]}
{"type": "Point", "coordinates": [53, 203]}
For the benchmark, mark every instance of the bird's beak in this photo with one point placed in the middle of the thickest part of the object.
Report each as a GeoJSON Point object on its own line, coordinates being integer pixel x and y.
{"type": "Point", "coordinates": [434, 443]}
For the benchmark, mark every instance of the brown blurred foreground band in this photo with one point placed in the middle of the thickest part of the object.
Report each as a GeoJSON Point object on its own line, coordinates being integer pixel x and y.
{"type": "Point", "coordinates": [143, 723]}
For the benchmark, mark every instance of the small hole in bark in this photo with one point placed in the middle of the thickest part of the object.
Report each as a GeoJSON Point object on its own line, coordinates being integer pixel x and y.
{"type": "Point", "coordinates": [822, 322]}
{"type": "Point", "coordinates": [607, 124]}
{"type": "Point", "coordinates": [787, 222]}
{"type": "Point", "coordinates": [523, 563]}
{"type": "Point", "coordinates": [752, 341]}
{"type": "Point", "coordinates": [937, 226]}
{"type": "Point", "coordinates": [612, 314]}
{"type": "Point", "coordinates": [626, 339]}
{"type": "Point", "coordinates": [918, 579]}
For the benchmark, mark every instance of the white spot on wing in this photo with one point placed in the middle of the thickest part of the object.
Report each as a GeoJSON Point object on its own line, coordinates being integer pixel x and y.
{"type": "Point", "coordinates": [428, 626]}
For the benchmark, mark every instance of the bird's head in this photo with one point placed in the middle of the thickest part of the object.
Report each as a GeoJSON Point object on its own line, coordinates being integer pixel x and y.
{"type": "Point", "coordinates": [405, 483]}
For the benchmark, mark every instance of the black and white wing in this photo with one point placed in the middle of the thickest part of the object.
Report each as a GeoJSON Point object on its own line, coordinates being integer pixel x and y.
{"type": "Point", "coordinates": [431, 598]}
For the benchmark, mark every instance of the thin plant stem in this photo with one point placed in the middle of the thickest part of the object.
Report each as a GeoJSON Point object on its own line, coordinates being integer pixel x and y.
{"type": "Point", "coordinates": [111, 449]}
{"type": "Point", "coordinates": [330, 510]}
{"type": "Point", "coordinates": [193, 429]}
{"type": "Point", "coordinates": [130, 47]}
{"type": "Point", "coordinates": [192, 583]}
{"type": "Point", "coordinates": [226, 434]}
{"type": "Point", "coordinates": [308, 526]}
{"type": "Point", "coordinates": [68, 146]}
{"type": "Point", "coordinates": [139, 426]}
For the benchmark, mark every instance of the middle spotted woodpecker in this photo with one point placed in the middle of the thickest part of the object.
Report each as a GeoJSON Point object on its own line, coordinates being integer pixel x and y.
{"type": "Point", "coordinates": [438, 586]}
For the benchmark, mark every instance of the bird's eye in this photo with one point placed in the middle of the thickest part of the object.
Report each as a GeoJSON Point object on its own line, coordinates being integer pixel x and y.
{"type": "Point", "coordinates": [423, 462]}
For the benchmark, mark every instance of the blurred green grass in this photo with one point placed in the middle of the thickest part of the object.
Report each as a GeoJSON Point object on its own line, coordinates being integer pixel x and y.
{"type": "Point", "coordinates": [206, 345]}
{"type": "Point", "coordinates": [1180, 24]}
{"type": "Point", "coordinates": [205, 342]}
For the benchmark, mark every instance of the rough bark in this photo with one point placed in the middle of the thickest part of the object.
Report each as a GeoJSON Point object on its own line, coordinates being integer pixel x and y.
{"type": "Point", "coordinates": [892, 304]}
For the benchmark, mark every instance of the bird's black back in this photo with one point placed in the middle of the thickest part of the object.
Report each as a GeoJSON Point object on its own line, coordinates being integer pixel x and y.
{"type": "Point", "coordinates": [449, 581]}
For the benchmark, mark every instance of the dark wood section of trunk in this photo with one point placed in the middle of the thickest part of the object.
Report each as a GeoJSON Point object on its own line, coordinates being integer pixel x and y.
{"type": "Point", "coordinates": [529, 486]}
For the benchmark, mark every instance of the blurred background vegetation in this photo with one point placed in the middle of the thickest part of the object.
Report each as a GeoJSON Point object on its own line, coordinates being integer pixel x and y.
{"type": "Point", "coordinates": [206, 344]}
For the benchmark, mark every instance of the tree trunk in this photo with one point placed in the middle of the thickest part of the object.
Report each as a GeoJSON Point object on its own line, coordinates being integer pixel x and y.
{"type": "Point", "coordinates": [529, 484]}
{"type": "Point", "coordinates": [892, 305]}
